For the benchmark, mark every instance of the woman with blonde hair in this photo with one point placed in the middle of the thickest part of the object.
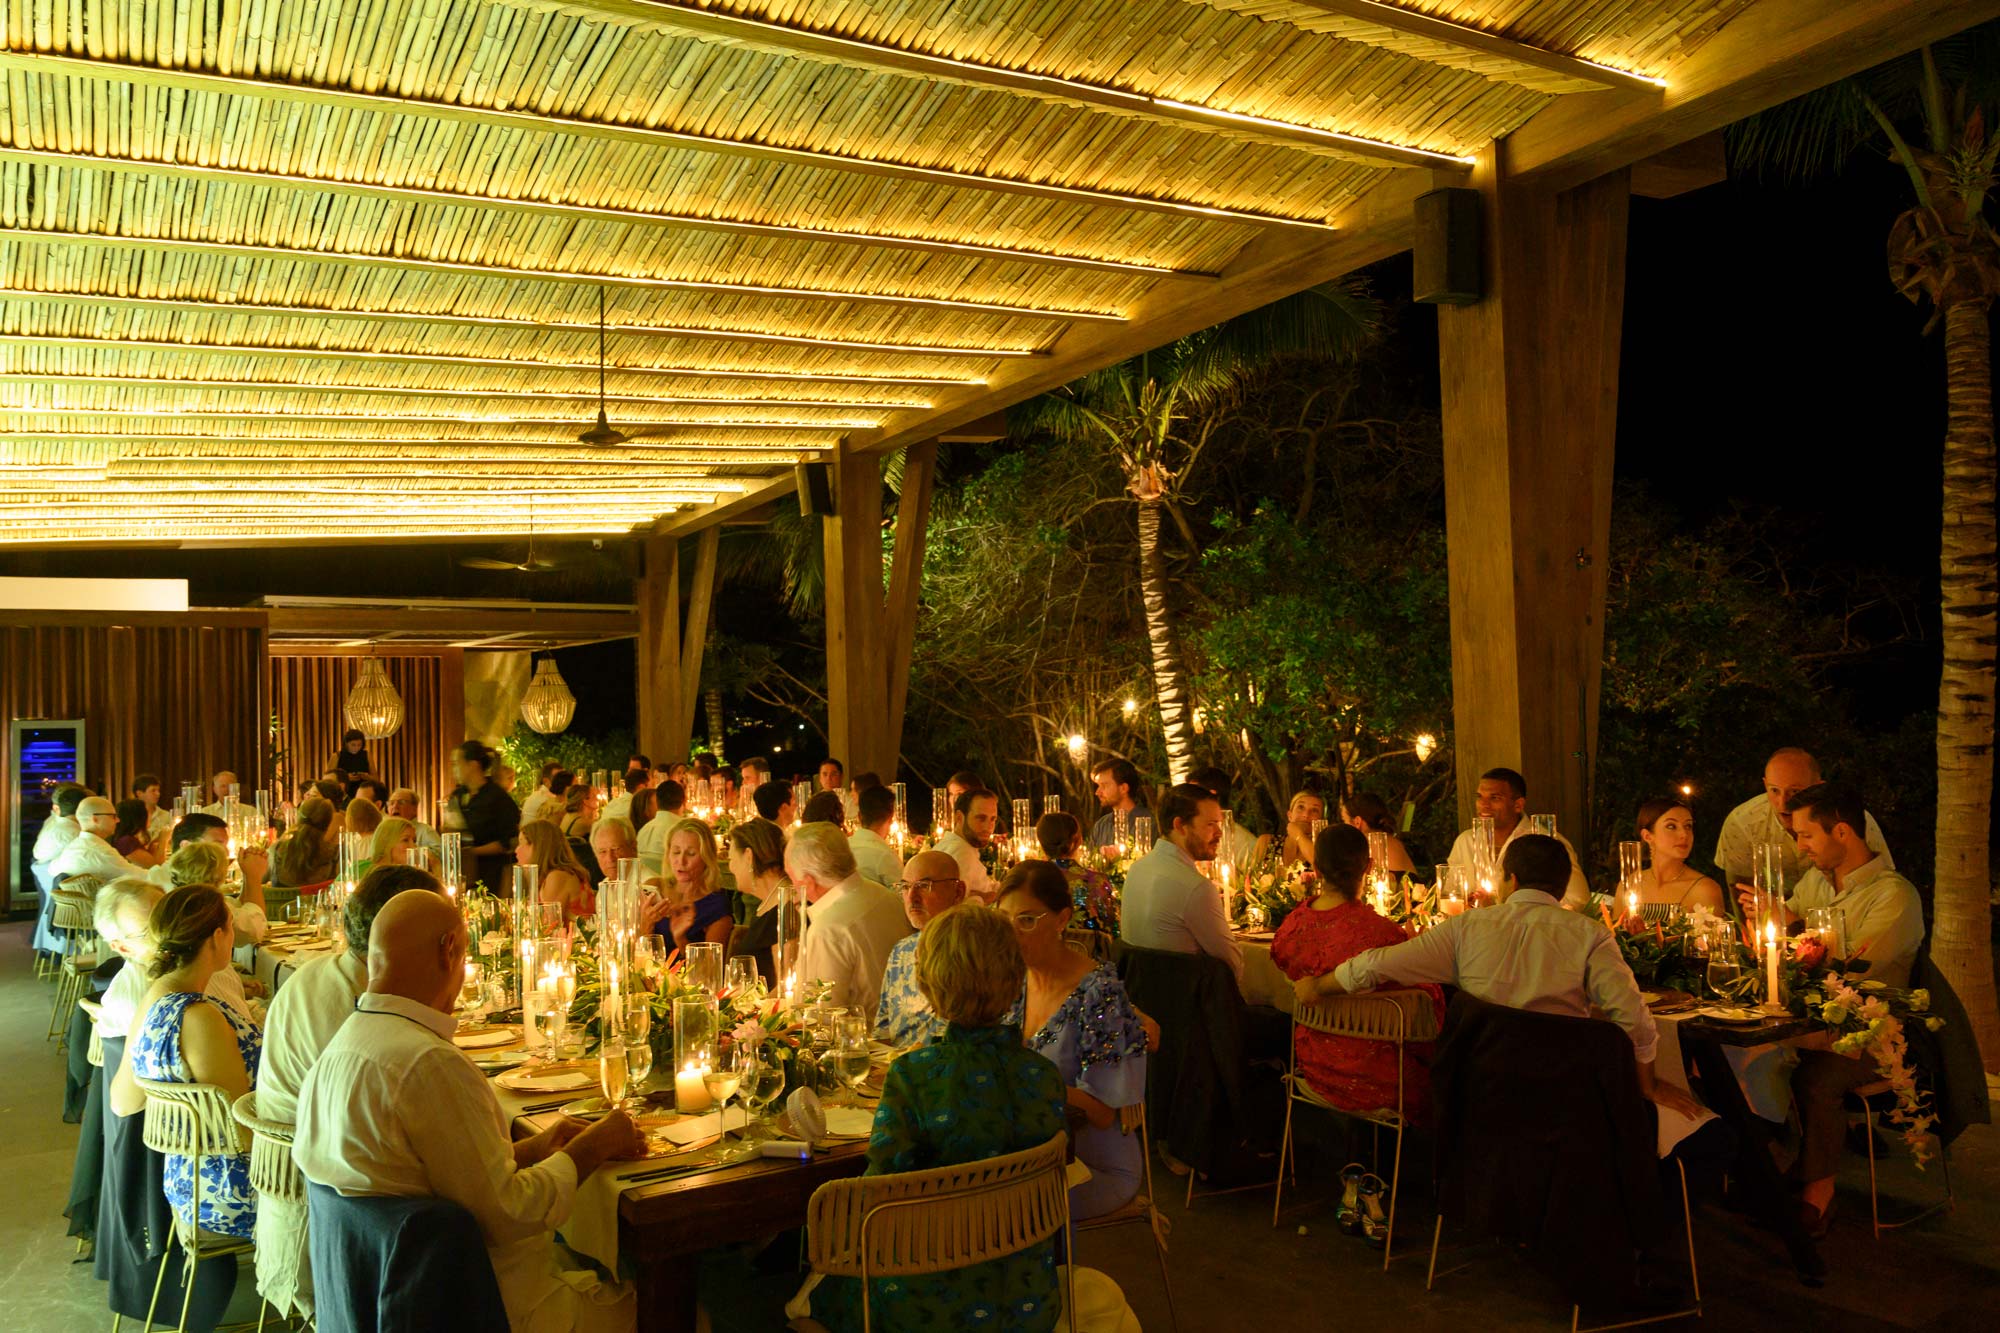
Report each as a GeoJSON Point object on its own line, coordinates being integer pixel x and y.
{"type": "Point", "coordinates": [1306, 809]}
{"type": "Point", "coordinates": [308, 853]}
{"type": "Point", "coordinates": [392, 843]}
{"type": "Point", "coordinates": [563, 878]}
{"type": "Point", "coordinates": [202, 862]}
{"type": "Point", "coordinates": [701, 908]}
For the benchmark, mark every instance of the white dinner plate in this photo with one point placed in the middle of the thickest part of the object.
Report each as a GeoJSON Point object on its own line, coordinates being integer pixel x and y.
{"type": "Point", "coordinates": [471, 1041]}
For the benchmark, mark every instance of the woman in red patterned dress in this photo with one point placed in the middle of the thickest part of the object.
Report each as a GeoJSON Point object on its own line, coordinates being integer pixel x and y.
{"type": "Point", "coordinates": [1318, 936]}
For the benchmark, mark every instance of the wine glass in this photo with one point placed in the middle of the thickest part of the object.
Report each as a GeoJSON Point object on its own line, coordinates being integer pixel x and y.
{"type": "Point", "coordinates": [763, 1084]}
{"type": "Point", "coordinates": [851, 1060]}
{"type": "Point", "coordinates": [1723, 965]}
{"type": "Point", "coordinates": [721, 1077]}
{"type": "Point", "coordinates": [743, 978]}
{"type": "Point", "coordinates": [638, 1036]}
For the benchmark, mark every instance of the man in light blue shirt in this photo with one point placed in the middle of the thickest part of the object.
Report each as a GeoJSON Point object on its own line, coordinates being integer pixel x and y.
{"type": "Point", "coordinates": [1168, 903]}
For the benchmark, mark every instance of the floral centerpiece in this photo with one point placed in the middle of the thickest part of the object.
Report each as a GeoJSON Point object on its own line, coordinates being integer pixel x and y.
{"type": "Point", "coordinates": [1273, 890]}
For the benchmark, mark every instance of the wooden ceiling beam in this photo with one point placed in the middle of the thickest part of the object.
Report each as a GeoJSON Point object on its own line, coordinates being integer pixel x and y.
{"type": "Point", "coordinates": [239, 309]}
{"type": "Point", "coordinates": [364, 356]}
{"type": "Point", "coordinates": [515, 274]}
{"type": "Point", "coordinates": [792, 41]}
{"type": "Point", "coordinates": [1396, 22]}
{"type": "Point", "coordinates": [78, 67]}
{"type": "Point", "coordinates": [587, 212]}
{"type": "Point", "coordinates": [293, 622]}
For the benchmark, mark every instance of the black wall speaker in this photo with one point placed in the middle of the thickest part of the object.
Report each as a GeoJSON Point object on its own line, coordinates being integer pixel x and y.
{"type": "Point", "coordinates": [1447, 268]}
{"type": "Point", "coordinates": [815, 486]}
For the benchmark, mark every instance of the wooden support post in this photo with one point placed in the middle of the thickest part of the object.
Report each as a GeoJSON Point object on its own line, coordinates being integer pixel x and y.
{"type": "Point", "coordinates": [1530, 395]}
{"type": "Point", "coordinates": [869, 632]}
{"type": "Point", "coordinates": [669, 666]}
{"type": "Point", "coordinates": [694, 638]}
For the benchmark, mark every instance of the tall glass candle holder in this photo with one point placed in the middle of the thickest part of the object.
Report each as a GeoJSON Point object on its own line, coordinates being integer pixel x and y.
{"type": "Point", "coordinates": [1121, 831]}
{"type": "Point", "coordinates": [850, 810]}
{"type": "Point", "coordinates": [1378, 849]}
{"type": "Point", "coordinates": [899, 822]}
{"type": "Point", "coordinates": [1142, 834]}
{"type": "Point", "coordinates": [1542, 825]}
{"type": "Point", "coordinates": [696, 1027]}
{"type": "Point", "coordinates": [452, 869]}
{"type": "Point", "coordinates": [785, 949]}
{"type": "Point", "coordinates": [1024, 828]}
{"type": "Point", "coordinates": [940, 811]}
{"type": "Point", "coordinates": [1052, 804]}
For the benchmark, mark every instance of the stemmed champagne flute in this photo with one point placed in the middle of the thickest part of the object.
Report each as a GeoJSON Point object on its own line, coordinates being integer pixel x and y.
{"type": "Point", "coordinates": [638, 1042]}
{"type": "Point", "coordinates": [721, 1077]}
{"type": "Point", "coordinates": [613, 1073]}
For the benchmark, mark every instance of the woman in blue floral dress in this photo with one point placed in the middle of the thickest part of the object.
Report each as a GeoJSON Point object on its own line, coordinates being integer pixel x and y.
{"type": "Point", "coordinates": [973, 1093]}
{"type": "Point", "coordinates": [1093, 895]}
{"type": "Point", "coordinates": [185, 1036]}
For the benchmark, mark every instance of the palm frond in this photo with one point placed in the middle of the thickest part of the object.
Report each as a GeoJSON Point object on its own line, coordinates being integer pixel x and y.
{"type": "Point", "coordinates": [1335, 320]}
{"type": "Point", "coordinates": [1806, 138]}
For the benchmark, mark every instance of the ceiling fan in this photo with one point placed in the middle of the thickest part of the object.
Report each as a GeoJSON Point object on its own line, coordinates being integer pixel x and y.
{"type": "Point", "coordinates": [531, 565]}
{"type": "Point", "coordinates": [601, 433]}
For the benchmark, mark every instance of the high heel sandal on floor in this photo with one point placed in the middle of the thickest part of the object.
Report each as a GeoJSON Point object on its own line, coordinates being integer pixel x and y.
{"type": "Point", "coordinates": [1348, 1215]}
{"type": "Point", "coordinates": [1374, 1222]}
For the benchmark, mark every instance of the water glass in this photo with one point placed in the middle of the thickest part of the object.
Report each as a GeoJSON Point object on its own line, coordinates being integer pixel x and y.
{"type": "Point", "coordinates": [721, 1077]}
{"type": "Point", "coordinates": [703, 966]}
{"type": "Point", "coordinates": [1724, 964]}
{"type": "Point", "coordinates": [763, 1084]}
{"type": "Point", "coordinates": [1544, 825]}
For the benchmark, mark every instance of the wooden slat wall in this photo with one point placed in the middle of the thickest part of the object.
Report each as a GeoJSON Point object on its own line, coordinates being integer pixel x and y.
{"type": "Point", "coordinates": [168, 695]}
{"type": "Point", "coordinates": [308, 691]}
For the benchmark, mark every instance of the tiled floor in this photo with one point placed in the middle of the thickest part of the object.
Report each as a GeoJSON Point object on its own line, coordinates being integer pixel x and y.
{"type": "Point", "coordinates": [1231, 1269]}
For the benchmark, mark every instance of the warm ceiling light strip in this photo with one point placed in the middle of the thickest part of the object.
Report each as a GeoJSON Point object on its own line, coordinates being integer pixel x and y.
{"type": "Point", "coordinates": [384, 482]}
{"type": "Point", "coordinates": [314, 447]}
{"type": "Point", "coordinates": [435, 418]}
{"type": "Point", "coordinates": [239, 309]}
{"type": "Point", "coordinates": [467, 268]}
{"type": "Point", "coordinates": [55, 66]}
{"type": "Point", "coordinates": [428, 391]}
{"type": "Point", "coordinates": [449, 359]}
{"type": "Point", "coordinates": [787, 40]}
{"type": "Point", "coordinates": [592, 212]}
{"type": "Point", "coordinates": [237, 532]}
{"type": "Point", "coordinates": [1445, 32]}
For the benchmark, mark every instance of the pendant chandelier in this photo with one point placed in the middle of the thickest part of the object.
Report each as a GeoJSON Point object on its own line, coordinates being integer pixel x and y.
{"type": "Point", "coordinates": [373, 707]}
{"type": "Point", "coordinates": [548, 705]}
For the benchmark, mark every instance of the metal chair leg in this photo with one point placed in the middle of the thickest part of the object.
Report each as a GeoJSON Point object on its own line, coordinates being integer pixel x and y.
{"type": "Point", "coordinates": [158, 1282]}
{"type": "Point", "coordinates": [1687, 1216]}
{"type": "Point", "coordinates": [1437, 1234]}
{"type": "Point", "coordinates": [1284, 1151]}
{"type": "Point", "coordinates": [1874, 1199]}
{"type": "Point", "coordinates": [1395, 1184]}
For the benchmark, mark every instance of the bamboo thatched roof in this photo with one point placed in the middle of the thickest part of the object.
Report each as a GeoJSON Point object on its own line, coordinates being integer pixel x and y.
{"type": "Point", "coordinates": [282, 269]}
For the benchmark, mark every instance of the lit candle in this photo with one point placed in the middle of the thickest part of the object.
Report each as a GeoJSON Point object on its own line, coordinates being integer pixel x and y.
{"type": "Point", "coordinates": [690, 1093]}
{"type": "Point", "coordinates": [1771, 961]}
{"type": "Point", "coordinates": [1632, 904]}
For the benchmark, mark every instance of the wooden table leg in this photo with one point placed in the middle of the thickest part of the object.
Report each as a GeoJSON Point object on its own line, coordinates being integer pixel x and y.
{"type": "Point", "coordinates": [666, 1294]}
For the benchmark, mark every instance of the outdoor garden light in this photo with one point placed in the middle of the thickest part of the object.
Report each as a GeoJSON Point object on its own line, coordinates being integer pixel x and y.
{"type": "Point", "coordinates": [1130, 706]}
{"type": "Point", "coordinates": [1078, 747]}
{"type": "Point", "coordinates": [1425, 745]}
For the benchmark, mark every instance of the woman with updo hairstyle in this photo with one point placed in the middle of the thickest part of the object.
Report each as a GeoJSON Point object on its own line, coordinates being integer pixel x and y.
{"type": "Point", "coordinates": [185, 1035]}
{"type": "Point", "coordinates": [306, 855]}
{"type": "Point", "coordinates": [757, 862]}
{"type": "Point", "coordinates": [1075, 1012]}
{"type": "Point", "coordinates": [1096, 902]}
{"type": "Point", "coordinates": [972, 1093]}
{"type": "Point", "coordinates": [1670, 884]}
{"type": "Point", "coordinates": [1370, 814]}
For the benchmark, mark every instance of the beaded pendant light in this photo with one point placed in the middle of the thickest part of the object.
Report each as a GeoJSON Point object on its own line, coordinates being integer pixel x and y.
{"type": "Point", "coordinates": [548, 705]}
{"type": "Point", "coordinates": [373, 707]}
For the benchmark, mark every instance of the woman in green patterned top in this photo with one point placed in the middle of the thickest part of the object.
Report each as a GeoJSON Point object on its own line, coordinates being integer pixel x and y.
{"type": "Point", "coordinates": [975, 1092]}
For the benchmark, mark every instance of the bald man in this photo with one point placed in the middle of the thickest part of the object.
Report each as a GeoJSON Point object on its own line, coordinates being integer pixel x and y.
{"type": "Point", "coordinates": [930, 883]}
{"type": "Point", "coordinates": [393, 1108]}
{"type": "Point", "coordinates": [1762, 819]}
{"type": "Point", "coordinates": [90, 852]}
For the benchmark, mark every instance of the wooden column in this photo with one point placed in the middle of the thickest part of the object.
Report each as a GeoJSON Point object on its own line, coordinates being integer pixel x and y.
{"type": "Point", "coordinates": [669, 666]}
{"type": "Point", "coordinates": [1530, 397]}
{"type": "Point", "coordinates": [870, 631]}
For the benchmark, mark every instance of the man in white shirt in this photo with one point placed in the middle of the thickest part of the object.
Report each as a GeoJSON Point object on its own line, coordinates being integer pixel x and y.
{"type": "Point", "coordinates": [976, 813]}
{"type": "Point", "coordinates": [1765, 819]}
{"type": "Point", "coordinates": [1119, 791]}
{"type": "Point", "coordinates": [652, 839]}
{"type": "Point", "coordinates": [392, 1108]}
{"type": "Point", "coordinates": [120, 913]}
{"type": "Point", "coordinates": [159, 820]}
{"type": "Point", "coordinates": [90, 852]}
{"type": "Point", "coordinates": [1502, 796]}
{"type": "Point", "coordinates": [773, 801]}
{"type": "Point", "coordinates": [61, 826]}
{"type": "Point", "coordinates": [313, 1005]}
{"type": "Point", "coordinates": [872, 852]}
{"type": "Point", "coordinates": [218, 793]}
{"type": "Point", "coordinates": [1525, 953]}
{"type": "Point", "coordinates": [403, 805]}
{"type": "Point", "coordinates": [543, 802]}
{"type": "Point", "coordinates": [635, 780]}
{"type": "Point", "coordinates": [852, 923]}
{"type": "Point", "coordinates": [1169, 904]}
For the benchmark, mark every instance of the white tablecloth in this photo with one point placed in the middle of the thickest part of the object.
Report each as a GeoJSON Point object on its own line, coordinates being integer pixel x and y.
{"type": "Point", "coordinates": [1263, 983]}
{"type": "Point", "coordinates": [1764, 1073]}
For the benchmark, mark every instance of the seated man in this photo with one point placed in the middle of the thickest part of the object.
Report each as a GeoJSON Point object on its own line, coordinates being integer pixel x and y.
{"type": "Point", "coordinates": [392, 1108]}
{"type": "Point", "coordinates": [403, 805]}
{"type": "Point", "coordinates": [1767, 819]}
{"type": "Point", "coordinates": [975, 813]}
{"type": "Point", "coordinates": [120, 913]}
{"type": "Point", "coordinates": [875, 810]}
{"type": "Point", "coordinates": [1523, 954]}
{"type": "Point", "coordinates": [90, 852]}
{"type": "Point", "coordinates": [1168, 903]}
{"type": "Point", "coordinates": [930, 884]}
{"type": "Point", "coordinates": [248, 908]}
{"type": "Point", "coordinates": [61, 826]}
{"type": "Point", "coordinates": [1121, 792]}
{"type": "Point", "coordinates": [670, 810]}
{"type": "Point", "coordinates": [774, 802]}
{"type": "Point", "coordinates": [1885, 928]}
{"type": "Point", "coordinates": [851, 923]}
{"type": "Point", "coordinates": [307, 1011]}
{"type": "Point", "coordinates": [1502, 796]}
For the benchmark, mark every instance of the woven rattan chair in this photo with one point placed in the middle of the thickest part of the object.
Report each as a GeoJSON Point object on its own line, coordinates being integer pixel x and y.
{"type": "Point", "coordinates": [96, 1014]}
{"type": "Point", "coordinates": [1142, 1210]}
{"type": "Point", "coordinates": [192, 1120]}
{"type": "Point", "coordinates": [1096, 943]}
{"type": "Point", "coordinates": [1876, 1099]}
{"type": "Point", "coordinates": [1394, 1016]}
{"type": "Point", "coordinates": [918, 1222]}
{"type": "Point", "coordinates": [273, 1174]}
{"type": "Point", "coordinates": [71, 916]}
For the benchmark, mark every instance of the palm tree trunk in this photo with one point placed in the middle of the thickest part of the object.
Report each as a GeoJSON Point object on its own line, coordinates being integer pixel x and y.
{"type": "Point", "coordinates": [1169, 675]}
{"type": "Point", "coordinates": [1961, 941]}
{"type": "Point", "coordinates": [712, 700]}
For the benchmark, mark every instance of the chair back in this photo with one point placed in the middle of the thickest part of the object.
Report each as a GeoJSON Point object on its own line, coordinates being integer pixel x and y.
{"type": "Point", "coordinates": [71, 908]}
{"type": "Point", "coordinates": [939, 1220]}
{"type": "Point", "coordinates": [1096, 943]}
{"type": "Point", "coordinates": [390, 1265]}
{"type": "Point", "coordinates": [272, 1171]}
{"type": "Point", "coordinates": [188, 1119]}
{"type": "Point", "coordinates": [1390, 1015]}
{"type": "Point", "coordinates": [96, 1012]}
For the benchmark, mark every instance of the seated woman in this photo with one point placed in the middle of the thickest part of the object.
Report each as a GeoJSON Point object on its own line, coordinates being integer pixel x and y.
{"type": "Point", "coordinates": [1351, 1073]}
{"type": "Point", "coordinates": [362, 816]}
{"type": "Point", "coordinates": [130, 839]}
{"type": "Point", "coordinates": [184, 1035]}
{"type": "Point", "coordinates": [579, 816]}
{"type": "Point", "coordinates": [1666, 826]}
{"type": "Point", "coordinates": [702, 909]}
{"type": "Point", "coordinates": [971, 1094]}
{"type": "Point", "coordinates": [307, 854]}
{"type": "Point", "coordinates": [1096, 902]}
{"type": "Point", "coordinates": [1305, 810]}
{"type": "Point", "coordinates": [393, 841]}
{"type": "Point", "coordinates": [1075, 1011]}
{"type": "Point", "coordinates": [562, 879]}
{"type": "Point", "coordinates": [1370, 815]}
{"type": "Point", "coordinates": [757, 860]}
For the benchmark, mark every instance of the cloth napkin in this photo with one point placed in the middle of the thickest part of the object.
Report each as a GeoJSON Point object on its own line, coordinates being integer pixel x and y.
{"type": "Point", "coordinates": [565, 1081]}
{"type": "Point", "coordinates": [852, 1122]}
{"type": "Point", "coordinates": [1667, 1065]}
{"type": "Point", "coordinates": [695, 1128]}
